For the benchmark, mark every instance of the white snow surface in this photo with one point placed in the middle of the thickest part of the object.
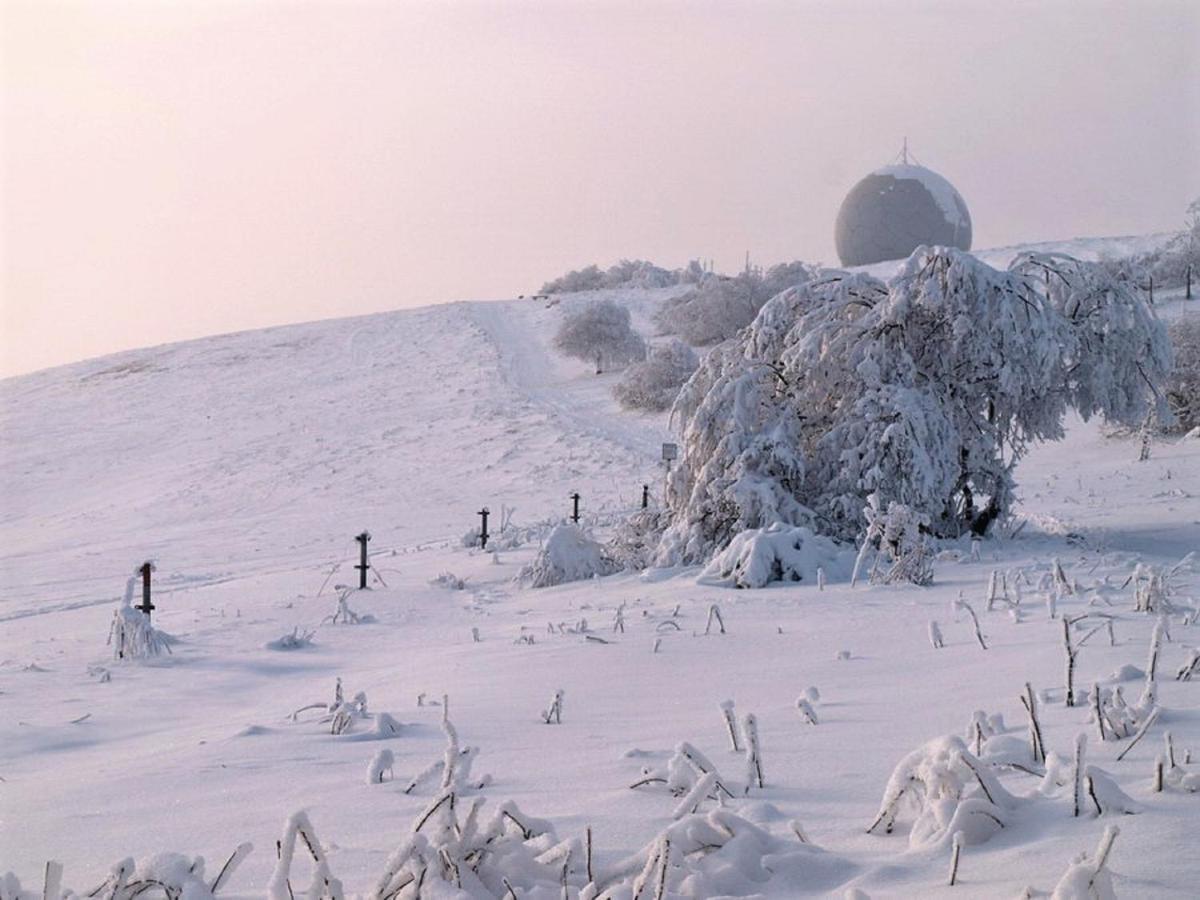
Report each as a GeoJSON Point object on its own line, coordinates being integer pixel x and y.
{"type": "Point", "coordinates": [243, 465]}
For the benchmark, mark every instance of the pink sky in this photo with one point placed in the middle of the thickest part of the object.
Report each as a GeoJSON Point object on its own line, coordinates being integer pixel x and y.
{"type": "Point", "coordinates": [178, 169]}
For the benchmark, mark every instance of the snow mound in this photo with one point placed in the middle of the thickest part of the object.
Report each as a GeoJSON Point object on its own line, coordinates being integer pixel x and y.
{"type": "Point", "coordinates": [758, 556]}
{"type": "Point", "coordinates": [567, 555]}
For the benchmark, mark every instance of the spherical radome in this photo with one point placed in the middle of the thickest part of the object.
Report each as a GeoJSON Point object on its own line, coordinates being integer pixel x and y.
{"type": "Point", "coordinates": [895, 210]}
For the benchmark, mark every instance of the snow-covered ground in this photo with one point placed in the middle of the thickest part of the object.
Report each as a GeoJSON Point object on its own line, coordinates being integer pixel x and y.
{"type": "Point", "coordinates": [245, 464]}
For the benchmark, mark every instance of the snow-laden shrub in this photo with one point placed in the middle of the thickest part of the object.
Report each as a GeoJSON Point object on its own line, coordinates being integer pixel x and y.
{"type": "Point", "coordinates": [1183, 384]}
{"type": "Point", "coordinates": [637, 273]}
{"type": "Point", "coordinates": [628, 273]}
{"type": "Point", "coordinates": [600, 331]}
{"type": "Point", "coordinates": [449, 581]}
{"type": "Point", "coordinates": [1166, 264]}
{"type": "Point", "coordinates": [897, 536]}
{"type": "Point", "coordinates": [296, 639]}
{"type": "Point", "coordinates": [567, 555]}
{"type": "Point", "coordinates": [131, 635]}
{"type": "Point", "coordinates": [924, 391]}
{"type": "Point", "coordinates": [720, 306]}
{"type": "Point", "coordinates": [949, 790]}
{"type": "Point", "coordinates": [173, 875]}
{"type": "Point", "coordinates": [1087, 878]}
{"type": "Point", "coordinates": [634, 539]}
{"type": "Point", "coordinates": [779, 552]}
{"type": "Point", "coordinates": [654, 383]}
{"type": "Point", "coordinates": [589, 278]}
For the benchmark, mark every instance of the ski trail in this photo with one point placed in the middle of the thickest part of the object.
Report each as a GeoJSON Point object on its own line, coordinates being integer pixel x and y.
{"type": "Point", "coordinates": [581, 406]}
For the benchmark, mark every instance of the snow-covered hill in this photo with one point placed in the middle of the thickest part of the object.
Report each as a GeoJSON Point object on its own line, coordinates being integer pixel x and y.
{"type": "Point", "coordinates": [244, 464]}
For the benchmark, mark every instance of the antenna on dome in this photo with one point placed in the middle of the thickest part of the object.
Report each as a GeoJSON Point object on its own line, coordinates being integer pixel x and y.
{"type": "Point", "coordinates": [904, 151]}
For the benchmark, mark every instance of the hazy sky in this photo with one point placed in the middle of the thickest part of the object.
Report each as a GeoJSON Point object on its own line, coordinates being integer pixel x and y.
{"type": "Point", "coordinates": [175, 169]}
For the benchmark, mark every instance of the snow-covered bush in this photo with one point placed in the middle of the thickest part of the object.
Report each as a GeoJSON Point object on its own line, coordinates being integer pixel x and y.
{"type": "Point", "coordinates": [1167, 264]}
{"type": "Point", "coordinates": [449, 581]}
{"type": "Point", "coordinates": [779, 552]}
{"type": "Point", "coordinates": [950, 790]}
{"type": "Point", "coordinates": [1183, 384]}
{"type": "Point", "coordinates": [897, 535]}
{"type": "Point", "coordinates": [131, 635]}
{"type": "Point", "coordinates": [924, 391]}
{"type": "Point", "coordinates": [296, 639]}
{"type": "Point", "coordinates": [720, 306]}
{"type": "Point", "coordinates": [172, 875]}
{"type": "Point", "coordinates": [637, 273]}
{"type": "Point", "coordinates": [632, 273]}
{"type": "Point", "coordinates": [589, 278]}
{"type": "Point", "coordinates": [654, 383]}
{"type": "Point", "coordinates": [634, 539]}
{"type": "Point", "coordinates": [567, 555]}
{"type": "Point", "coordinates": [600, 332]}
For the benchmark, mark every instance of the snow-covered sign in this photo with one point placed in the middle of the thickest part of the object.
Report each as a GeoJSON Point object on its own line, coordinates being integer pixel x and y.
{"type": "Point", "coordinates": [670, 452]}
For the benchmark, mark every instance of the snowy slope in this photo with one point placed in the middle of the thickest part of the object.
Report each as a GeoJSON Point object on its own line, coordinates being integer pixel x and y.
{"type": "Point", "coordinates": [243, 465]}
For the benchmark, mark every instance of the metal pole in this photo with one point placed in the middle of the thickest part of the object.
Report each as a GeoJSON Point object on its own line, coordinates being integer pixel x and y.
{"type": "Point", "coordinates": [147, 607]}
{"type": "Point", "coordinates": [363, 565]}
{"type": "Point", "coordinates": [575, 508]}
{"type": "Point", "coordinates": [1151, 290]}
{"type": "Point", "coordinates": [483, 532]}
{"type": "Point", "coordinates": [645, 496]}
{"type": "Point", "coordinates": [1188, 296]}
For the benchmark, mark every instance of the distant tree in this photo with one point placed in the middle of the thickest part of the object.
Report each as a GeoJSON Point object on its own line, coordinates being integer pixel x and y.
{"type": "Point", "coordinates": [589, 278]}
{"type": "Point", "coordinates": [1183, 384]}
{"type": "Point", "coordinates": [653, 384]}
{"type": "Point", "coordinates": [601, 332]}
{"type": "Point", "coordinates": [925, 392]}
{"type": "Point", "coordinates": [628, 273]}
{"type": "Point", "coordinates": [720, 306]}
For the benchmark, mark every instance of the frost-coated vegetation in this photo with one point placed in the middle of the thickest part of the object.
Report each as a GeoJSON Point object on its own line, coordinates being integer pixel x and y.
{"type": "Point", "coordinates": [1183, 384]}
{"type": "Point", "coordinates": [600, 332]}
{"type": "Point", "coordinates": [635, 273]}
{"type": "Point", "coordinates": [568, 554]}
{"type": "Point", "coordinates": [720, 306]}
{"type": "Point", "coordinates": [131, 635]}
{"type": "Point", "coordinates": [924, 391]}
{"type": "Point", "coordinates": [653, 384]}
{"type": "Point", "coordinates": [1167, 264]}
{"type": "Point", "coordinates": [779, 552]}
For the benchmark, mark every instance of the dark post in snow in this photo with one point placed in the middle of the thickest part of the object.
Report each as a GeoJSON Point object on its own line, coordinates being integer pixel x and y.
{"type": "Point", "coordinates": [575, 507]}
{"type": "Point", "coordinates": [483, 533]}
{"type": "Point", "coordinates": [1188, 295]}
{"type": "Point", "coordinates": [147, 607]}
{"type": "Point", "coordinates": [645, 496]}
{"type": "Point", "coordinates": [1151, 290]}
{"type": "Point", "coordinates": [363, 565]}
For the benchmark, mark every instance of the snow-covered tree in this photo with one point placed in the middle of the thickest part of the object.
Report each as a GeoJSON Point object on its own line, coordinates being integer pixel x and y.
{"type": "Point", "coordinates": [924, 391]}
{"type": "Point", "coordinates": [1183, 384]}
{"type": "Point", "coordinates": [600, 332]}
{"type": "Point", "coordinates": [635, 273]}
{"type": "Point", "coordinates": [654, 383]}
{"type": "Point", "coordinates": [589, 278]}
{"type": "Point", "coordinates": [720, 306]}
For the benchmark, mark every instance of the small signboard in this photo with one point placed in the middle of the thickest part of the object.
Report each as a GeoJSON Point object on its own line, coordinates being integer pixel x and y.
{"type": "Point", "coordinates": [670, 452]}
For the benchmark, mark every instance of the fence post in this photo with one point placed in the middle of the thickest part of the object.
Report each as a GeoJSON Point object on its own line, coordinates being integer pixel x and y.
{"type": "Point", "coordinates": [575, 507]}
{"type": "Point", "coordinates": [645, 496]}
{"type": "Point", "coordinates": [363, 565]}
{"type": "Point", "coordinates": [483, 532]}
{"type": "Point", "coordinates": [147, 607]}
